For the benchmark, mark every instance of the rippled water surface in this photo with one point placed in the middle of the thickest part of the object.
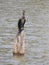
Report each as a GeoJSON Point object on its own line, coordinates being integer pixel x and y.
{"type": "Point", "coordinates": [36, 31]}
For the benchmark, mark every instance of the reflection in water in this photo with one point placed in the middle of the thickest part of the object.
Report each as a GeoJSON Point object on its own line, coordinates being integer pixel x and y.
{"type": "Point", "coordinates": [19, 58]}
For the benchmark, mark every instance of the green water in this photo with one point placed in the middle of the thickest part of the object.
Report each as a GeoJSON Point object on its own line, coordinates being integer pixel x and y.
{"type": "Point", "coordinates": [36, 31]}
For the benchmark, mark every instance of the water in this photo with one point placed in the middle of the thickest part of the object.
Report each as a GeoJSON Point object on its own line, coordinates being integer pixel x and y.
{"type": "Point", "coordinates": [36, 31]}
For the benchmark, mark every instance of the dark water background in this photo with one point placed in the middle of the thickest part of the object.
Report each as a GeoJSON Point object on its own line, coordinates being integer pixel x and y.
{"type": "Point", "coordinates": [36, 31]}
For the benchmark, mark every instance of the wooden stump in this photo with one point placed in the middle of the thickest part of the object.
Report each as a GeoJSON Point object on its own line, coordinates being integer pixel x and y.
{"type": "Point", "coordinates": [19, 48]}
